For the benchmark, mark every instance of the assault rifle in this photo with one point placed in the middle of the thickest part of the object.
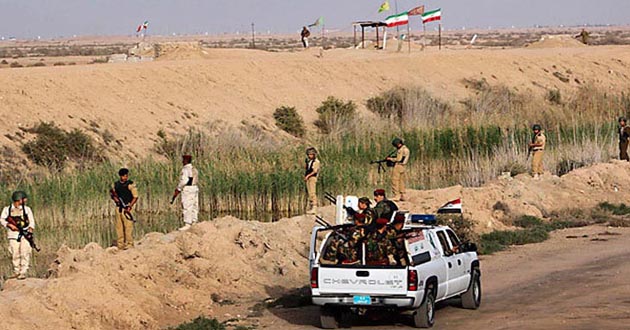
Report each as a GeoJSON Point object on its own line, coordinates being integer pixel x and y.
{"type": "Point", "coordinates": [333, 200]}
{"type": "Point", "coordinates": [335, 229]}
{"type": "Point", "coordinates": [23, 233]}
{"type": "Point", "coordinates": [387, 162]}
{"type": "Point", "coordinates": [122, 206]}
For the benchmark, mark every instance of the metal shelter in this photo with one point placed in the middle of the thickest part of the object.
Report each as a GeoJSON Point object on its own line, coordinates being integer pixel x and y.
{"type": "Point", "coordinates": [363, 25]}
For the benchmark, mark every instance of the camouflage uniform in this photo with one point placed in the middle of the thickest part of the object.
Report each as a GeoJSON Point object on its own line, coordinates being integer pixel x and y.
{"type": "Point", "coordinates": [399, 245]}
{"type": "Point", "coordinates": [385, 209]}
{"type": "Point", "coordinates": [340, 251]}
{"type": "Point", "coordinates": [379, 249]}
{"type": "Point", "coordinates": [370, 216]}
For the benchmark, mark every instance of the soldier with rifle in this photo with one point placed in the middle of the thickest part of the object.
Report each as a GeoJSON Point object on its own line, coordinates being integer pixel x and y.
{"type": "Point", "coordinates": [187, 187]}
{"type": "Point", "coordinates": [399, 173]}
{"type": "Point", "coordinates": [537, 149]}
{"type": "Point", "coordinates": [311, 170]}
{"type": "Point", "coordinates": [125, 195]}
{"type": "Point", "coordinates": [20, 223]}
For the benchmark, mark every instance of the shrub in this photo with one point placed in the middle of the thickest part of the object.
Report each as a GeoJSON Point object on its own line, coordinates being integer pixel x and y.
{"type": "Point", "coordinates": [288, 120]}
{"type": "Point", "coordinates": [620, 209]}
{"type": "Point", "coordinates": [411, 106]}
{"type": "Point", "coordinates": [567, 165]}
{"type": "Point", "coordinates": [4, 62]}
{"type": "Point", "coordinates": [335, 115]}
{"type": "Point", "coordinates": [500, 240]}
{"type": "Point", "coordinates": [528, 221]}
{"type": "Point", "coordinates": [16, 65]}
{"type": "Point", "coordinates": [201, 323]}
{"type": "Point", "coordinates": [554, 96]}
{"type": "Point", "coordinates": [59, 64]}
{"type": "Point", "coordinates": [36, 64]}
{"type": "Point", "coordinates": [463, 228]}
{"type": "Point", "coordinates": [53, 146]}
{"type": "Point", "coordinates": [515, 168]}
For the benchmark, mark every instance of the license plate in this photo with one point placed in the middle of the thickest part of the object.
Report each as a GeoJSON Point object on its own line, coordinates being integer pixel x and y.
{"type": "Point", "coordinates": [362, 300]}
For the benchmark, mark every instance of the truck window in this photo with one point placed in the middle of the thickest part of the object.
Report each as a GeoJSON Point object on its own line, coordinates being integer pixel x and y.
{"type": "Point", "coordinates": [454, 240]}
{"type": "Point", "coordinates": [444, 243]}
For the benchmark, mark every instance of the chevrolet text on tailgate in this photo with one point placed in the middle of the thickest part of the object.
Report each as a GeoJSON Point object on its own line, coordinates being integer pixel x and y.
{"type": "Point", "coordinates": [425, 264]}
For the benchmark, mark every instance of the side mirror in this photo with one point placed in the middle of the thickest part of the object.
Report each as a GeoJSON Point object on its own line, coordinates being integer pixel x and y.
{"type": "Point", "coordinates": [469, 247]}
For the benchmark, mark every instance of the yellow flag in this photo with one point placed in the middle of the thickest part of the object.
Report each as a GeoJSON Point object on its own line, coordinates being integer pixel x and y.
{"type": "Point", "coordinates": [384, 7]}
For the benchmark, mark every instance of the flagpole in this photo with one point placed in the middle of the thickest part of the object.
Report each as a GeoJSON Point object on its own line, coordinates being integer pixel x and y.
{"type": "Point", "coordinates": [409, 36]}
{"type": "Point", "coordinates": [424, 41]}
{"type": "Point", "coordinates": [440, 36]}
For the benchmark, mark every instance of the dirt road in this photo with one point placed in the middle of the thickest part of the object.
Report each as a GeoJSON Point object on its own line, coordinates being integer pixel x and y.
{"type": "Point", "coordinates": [576, 280]}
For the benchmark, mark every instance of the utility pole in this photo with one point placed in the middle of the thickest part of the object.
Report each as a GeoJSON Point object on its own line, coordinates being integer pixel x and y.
{"type": "Point", "coordinates": [253, 36]}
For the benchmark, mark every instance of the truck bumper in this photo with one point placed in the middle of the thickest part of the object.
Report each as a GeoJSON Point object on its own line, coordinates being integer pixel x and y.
{"type": "Point", "coordinates": [400, 302]}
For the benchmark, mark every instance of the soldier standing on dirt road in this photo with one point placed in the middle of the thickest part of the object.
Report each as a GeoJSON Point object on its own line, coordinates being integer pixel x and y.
{"type": "Point", "coordinates": [127, 192]}
{"type": "Point", "coordinates": [20, 251]}
{"type": "Point", "coordinates": [398, 172]}
{"type": "Point", "coordinates": [537, 147]}
{"type": "Point", "coordinates": [187, 186]}
{"type": "Point", "coordinates": [310, 177]}
{"type": "Point", "coordinates": [624, 136]}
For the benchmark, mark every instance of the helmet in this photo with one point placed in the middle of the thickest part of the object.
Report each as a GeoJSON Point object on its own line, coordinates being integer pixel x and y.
{"type": "Point", "coordinates": [18, 195]}
{"type": "Point", "coordinates": [536, 127]}
{"type": "Point", "coordinates": [311, 150]}
{"type": "Point", "coordinates": [396, 141]}
{"type": "Point", "coordinates": [622, 119]}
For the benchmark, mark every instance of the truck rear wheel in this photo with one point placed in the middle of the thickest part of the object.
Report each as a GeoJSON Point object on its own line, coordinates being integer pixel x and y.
{"type": "Point", "coordinates": [424, 316]}
{"type": "Point", "coordinates": [327, 318]}
{"type": "Point", "coordinates": [471, 299]}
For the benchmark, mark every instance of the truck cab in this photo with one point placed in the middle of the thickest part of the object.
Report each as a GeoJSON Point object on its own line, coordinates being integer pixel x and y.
{"type": "Point", "coordinates": [434, 265]}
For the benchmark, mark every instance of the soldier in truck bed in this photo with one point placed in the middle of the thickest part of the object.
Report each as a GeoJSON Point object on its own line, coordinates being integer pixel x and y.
{"type": "Point", "coordinates": [379, 249]}
{"type": "Point", "coordinates": [384, 207]}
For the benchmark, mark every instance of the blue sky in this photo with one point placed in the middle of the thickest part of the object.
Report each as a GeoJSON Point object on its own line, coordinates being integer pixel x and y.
{"type": "Point", "coordinates": [52, 18]}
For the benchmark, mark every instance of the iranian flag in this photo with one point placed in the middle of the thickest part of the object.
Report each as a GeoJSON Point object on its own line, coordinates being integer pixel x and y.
{"type": "Point", "coordinates": [454, 206]}
{"type": "Point", "coordinates": [398, 19]}
{"type": "Point", "coordinates": [433, 15]}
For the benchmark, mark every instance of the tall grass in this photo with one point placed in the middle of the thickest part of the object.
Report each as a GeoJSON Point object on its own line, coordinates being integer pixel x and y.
{"type": "Point", "coordinates": [249, 172]}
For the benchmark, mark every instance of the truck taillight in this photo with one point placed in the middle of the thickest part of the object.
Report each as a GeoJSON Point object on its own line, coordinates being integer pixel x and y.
{"type": "Point", "coordinates": [412, 280]}
{"type": "Point", "coordinates": [314, 283]}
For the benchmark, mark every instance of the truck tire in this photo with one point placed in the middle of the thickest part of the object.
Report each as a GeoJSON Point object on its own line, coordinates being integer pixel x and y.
{"type": "Point", "coordinates": [327, 318]}
{"type": "Point", "coordinates": [345, 318]}
{"type": "Point", "coordinates": [424, 316]}
{"type": "Point", "coordinates": [471, 299]}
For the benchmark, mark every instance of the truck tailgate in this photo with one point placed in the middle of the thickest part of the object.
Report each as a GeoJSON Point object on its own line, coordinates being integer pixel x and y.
{"type": "Point", "coordinates": [358, 281]}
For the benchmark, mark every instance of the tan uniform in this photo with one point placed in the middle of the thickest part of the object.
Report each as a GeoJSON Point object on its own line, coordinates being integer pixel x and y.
{"type": "Point", "coordinates": [537, 153]}
{"type": "Point", "coordinates": [399, 173]}
{"type": "Point", "coordinates": [20, 251]}
{"type": "Point", "coordinates": [124, 226]}
{"type": "Point", "coordinates": [311, 182]}
{"type": "Point", "coordinates": [190, 193]}
{"type": "Point", "coordinates": [624, 135]}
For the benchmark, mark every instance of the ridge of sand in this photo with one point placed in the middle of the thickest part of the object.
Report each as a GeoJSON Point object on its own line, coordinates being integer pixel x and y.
{"type": "Point", "coordinates": [134, 100]}
{"type": "Point", "coordinates": [170, 278]}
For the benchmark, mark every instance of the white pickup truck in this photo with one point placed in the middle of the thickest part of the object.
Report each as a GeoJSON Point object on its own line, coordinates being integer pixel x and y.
{"type": "Point", "coordinates": [438, 267]}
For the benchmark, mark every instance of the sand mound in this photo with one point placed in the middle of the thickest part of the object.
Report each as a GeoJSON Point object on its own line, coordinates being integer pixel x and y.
{"type": "Point", "coordinates": [170, 278]}
{"type": "Point", "coordinates": [556, 41]}
{"type": "Point", "coordinates": [181, 51]}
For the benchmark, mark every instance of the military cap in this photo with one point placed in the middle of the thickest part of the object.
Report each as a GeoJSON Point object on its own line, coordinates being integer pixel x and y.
{"type": "Point", "coordinates": [365, 200]}
{"type": "Point", "coordinates": [399, 218]}
{"type": "Point", "coordinates": [382, 221]}
{"type": "Point", "coordinates": [359, 217]}
{"type": "Point", "coordinates": [123, 171]}
{"type": "Point", "coordinates": [187, 158]}
{"type": "Point", "coordinates": [536, 127]}
{"type": "Point", "coordinates": [379, 192]}
{"type": "Point", "coordinates": [18, 195]}
{"type": "Point", "coordinates": [311, 150]}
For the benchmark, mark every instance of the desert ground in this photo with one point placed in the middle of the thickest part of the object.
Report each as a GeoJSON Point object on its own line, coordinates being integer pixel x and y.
{"type": "Point", "coordinates": [231, 269]}
{"type": "Point", "coordinates": [189, 85]}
